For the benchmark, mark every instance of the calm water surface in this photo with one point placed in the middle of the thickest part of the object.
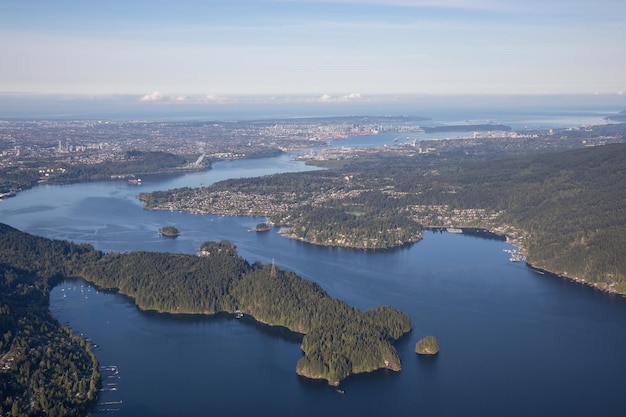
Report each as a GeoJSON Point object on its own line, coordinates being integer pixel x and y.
{"type": "Point", "coordinates": [513, 342]}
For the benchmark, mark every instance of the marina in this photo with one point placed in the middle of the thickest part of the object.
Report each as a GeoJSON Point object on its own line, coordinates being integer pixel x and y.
{"type": "Point", "coordinates": [515, 256]}
{"type": "Point", "coordinates": [109, 395]}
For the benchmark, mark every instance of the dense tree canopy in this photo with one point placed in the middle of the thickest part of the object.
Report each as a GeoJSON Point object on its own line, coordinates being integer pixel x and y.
{"type": "Point", "coordinates": [339, 339]}
{"type": "Point", "coordinates": [47, 369]}
{"type": "Point", "coordinates": [427, 346]}
{"type": "Point", "coordinates": [565, 209]}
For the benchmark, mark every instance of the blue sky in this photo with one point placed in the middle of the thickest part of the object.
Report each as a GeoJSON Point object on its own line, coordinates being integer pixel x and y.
{"type": "Point", "coordinates": [322, 50]}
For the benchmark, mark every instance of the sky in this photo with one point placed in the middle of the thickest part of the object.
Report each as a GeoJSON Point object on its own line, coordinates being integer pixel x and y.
{"type": "Point", "coordinates": [319, 50]}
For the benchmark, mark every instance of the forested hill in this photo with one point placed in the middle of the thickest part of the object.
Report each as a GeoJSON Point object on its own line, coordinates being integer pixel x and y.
{"type": "Point", "coordinates": [44, 368]}
{"type": "Point", "coordinates": [566, 209]}
{"type": "Point", "coordinates": [339, 339]}
{"type": "Point", "coordinates": [569, 207]}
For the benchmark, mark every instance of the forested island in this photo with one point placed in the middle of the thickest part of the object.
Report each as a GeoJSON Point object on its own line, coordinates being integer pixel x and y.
{"type": "Point", "coordinates": [565, 210]}
{"type": "Point", "coordinates": [263, 227]}
{"type": "Point", "coordinates": [169, 231]}
{"type": "Point", "coordinates": [427, 346]}
{"type": "Point", "coordinates": [337, 340]}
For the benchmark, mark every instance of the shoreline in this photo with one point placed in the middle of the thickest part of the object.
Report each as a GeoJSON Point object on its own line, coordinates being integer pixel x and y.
{"type": "Point", "coordinates": [591, 285]}
{"type": "Point", "coordinates": [486, 233]}
{"type": "Point", "coordinates": [502, 232]}
{"type": "Point", "coordinates": [286, 234]}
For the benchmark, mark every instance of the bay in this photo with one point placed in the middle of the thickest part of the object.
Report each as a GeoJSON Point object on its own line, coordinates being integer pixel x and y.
{"type": "Point", "coordinates": [513, 342]}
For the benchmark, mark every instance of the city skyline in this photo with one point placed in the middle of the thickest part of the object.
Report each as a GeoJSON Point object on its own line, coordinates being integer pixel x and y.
{"type": "Point", "coordinates": [311, 51]}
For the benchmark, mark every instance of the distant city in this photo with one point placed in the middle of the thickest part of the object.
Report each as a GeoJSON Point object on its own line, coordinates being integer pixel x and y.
{"type": "Point", "coordinates": [44, 150]}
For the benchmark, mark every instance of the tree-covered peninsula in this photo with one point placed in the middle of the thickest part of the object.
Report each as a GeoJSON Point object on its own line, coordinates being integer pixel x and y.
{"type": "Point", "coordinates": [338, 340]}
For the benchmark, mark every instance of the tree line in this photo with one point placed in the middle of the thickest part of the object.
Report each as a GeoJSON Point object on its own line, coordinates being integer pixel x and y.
{"type": "Point", "coordinates": [339, 339]}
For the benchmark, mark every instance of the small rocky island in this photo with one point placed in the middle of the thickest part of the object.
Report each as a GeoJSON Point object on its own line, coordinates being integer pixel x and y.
{"type": "Point", "coordinates": [169, 231]}
{"type": "Point", "coordinates": [263, 227]}
{"type": "Point", "coordinates": [427, 346]}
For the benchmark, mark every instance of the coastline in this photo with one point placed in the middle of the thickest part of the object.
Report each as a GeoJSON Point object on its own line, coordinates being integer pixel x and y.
{"type": "Point", "coordinates": [267, 326]}
{"type": "Point", "coordinates": [515, 237]}
{"type": "Point", "coordinates": [593, 285]}
{"type": "Point", "coordinates": [174, 171]}
{"type": "Point", "coordinates": [284, 231]}
{"type": "Point", "coordinates": [503, 232]}
{"type": "Point", "coordinates": [517, 242]}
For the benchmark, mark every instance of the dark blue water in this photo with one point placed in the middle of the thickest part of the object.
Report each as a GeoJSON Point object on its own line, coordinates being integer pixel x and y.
{"type": "Point", "coordinates": [513, 342]}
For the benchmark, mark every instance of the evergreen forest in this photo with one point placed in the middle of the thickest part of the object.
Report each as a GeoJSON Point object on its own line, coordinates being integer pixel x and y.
{"type": "Point", "coordinates": [47, 370]}
{"type": "Point", "coordinates": [565, 210]}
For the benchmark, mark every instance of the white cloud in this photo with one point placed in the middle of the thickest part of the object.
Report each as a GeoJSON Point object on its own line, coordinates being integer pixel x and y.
{"type": "Point", "coordinates": [215, 98]}
{"type": "Point", "coordinates": [351, 96]}
{"type": "Point", "coordinates": [154, 96]}
{"type": "Point", "coordinates": [157, 96]}
{"type": "Point", "coordinates": [327, 98]}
